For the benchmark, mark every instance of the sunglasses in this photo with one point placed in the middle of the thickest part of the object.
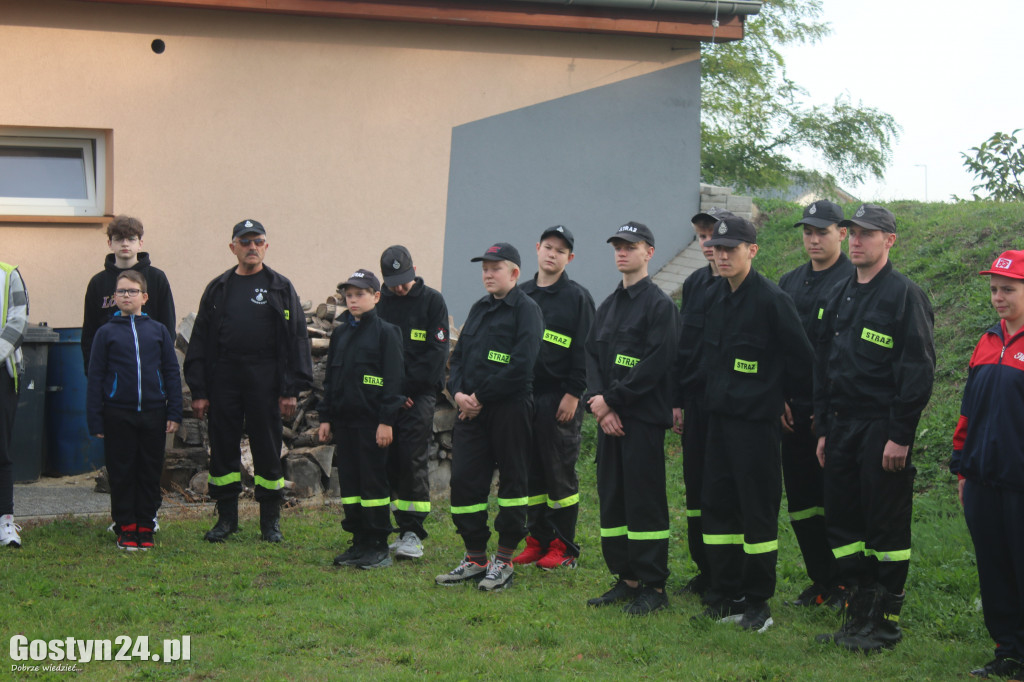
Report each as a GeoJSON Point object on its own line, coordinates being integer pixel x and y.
{"type": "Point", "coordinates": [258, 241]}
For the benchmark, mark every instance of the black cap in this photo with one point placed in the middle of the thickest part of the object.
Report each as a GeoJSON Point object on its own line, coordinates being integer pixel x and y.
{"type": "Point", "coordinates": [396, 266]}
{"type": "Point", "coordinates": [364, 279]}
{"type": "Point", "coordinates": [713, 214]}
{"type": "Point", "coordinates": [733, 231]}
{"type": "Point", "coordinates": [633, 232]}
{"type": "Point", "coordinates": [559, 231]}
{"type": "Point", "coordinates": [500, 251]}
{"type": "Point", "coordinates": [821, 214]}
{"type": "Point", "coordinates": [872, 217]}
{"type": "Point", "coordinates": [248, 226]}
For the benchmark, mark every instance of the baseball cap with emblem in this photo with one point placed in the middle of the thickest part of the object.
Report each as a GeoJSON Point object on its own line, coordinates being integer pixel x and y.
{"type": "Point", "coordinates": [559, 231]}
{"type": "Point", "coordinates": [821, 213]}
{"type": "Point", "coordinates": [364, 279]}
{"type": "Point", "coordinates": [500, 251]}
{"type": "Point", "coordinates": [1009, 264]}
{"type": "Point", "coordinates": [396, 266]}
{"type": "Point", "coordinates": [733, 231]}
{"type": "Point", "coordinates": [714, 214]}
{"type": "Point", "coordinates": [248, 226]}
{"type": "Point", "coordinates": [872, 217]}
{"type": "Point", "coordinates": [633, 232]}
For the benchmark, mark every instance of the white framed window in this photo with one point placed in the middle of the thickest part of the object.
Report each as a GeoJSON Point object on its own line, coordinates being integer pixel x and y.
{"type": "Point", "coordinates": [53, 172]}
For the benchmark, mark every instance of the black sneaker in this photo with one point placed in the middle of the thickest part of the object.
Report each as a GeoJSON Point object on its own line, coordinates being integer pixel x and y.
{"type": "Point", "coordinates": [350, 555]}
{"type": "Point", "coordinates": [725, 610]}
{"type": "Point", "coordinates": [813, 595]}
{"type": "Point", "coordinates": [128, 538]}
{"type": "Point", "coordinates": [648, 601]}
{"type": "Point", "coordinates": [757, 617]}
{"type": "Point", "coordinates": [373, 557]}
{"type": "Point", "coordinates": [620, 592]}
{"type": "Point", "coordinates": [1007, 668]}
{"type": "Point", "coordinates": [697, 585]}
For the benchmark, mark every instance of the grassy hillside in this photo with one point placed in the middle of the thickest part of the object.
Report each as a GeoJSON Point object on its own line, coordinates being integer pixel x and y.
{"type": "Point", "coordinates": [941, 247]}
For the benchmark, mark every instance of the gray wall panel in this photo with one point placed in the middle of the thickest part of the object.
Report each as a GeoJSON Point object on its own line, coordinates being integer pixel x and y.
{"type": "Point", "coordinates": [590, 161]}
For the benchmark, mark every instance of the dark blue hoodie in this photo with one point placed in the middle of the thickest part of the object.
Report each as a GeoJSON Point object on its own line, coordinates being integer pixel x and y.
{"type": "Point", "coordinates": [133, 367]}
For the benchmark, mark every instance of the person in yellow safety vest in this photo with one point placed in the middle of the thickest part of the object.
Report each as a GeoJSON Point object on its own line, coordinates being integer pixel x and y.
{"type": "Point", "coordinates": [13, 320]}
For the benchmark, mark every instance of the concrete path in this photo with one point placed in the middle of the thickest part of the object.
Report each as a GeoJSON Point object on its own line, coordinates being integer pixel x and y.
{"type": "Point", "coordinates": [49, 498]}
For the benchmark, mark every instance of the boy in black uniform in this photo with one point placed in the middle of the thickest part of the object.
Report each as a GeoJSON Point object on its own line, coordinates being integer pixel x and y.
{"type": "Point", "coordinates": [491, 379]}
{"type": "Point", "coordinates": [755, 353]}
{"type": "Point", "coordinates": [124, 238]}
{"type": "Point", "coordinates": [872, 379]}
{"type": "Point", "coordinates": [689, 419]}
{"type": "Point", "coordinates": [629, 390]}
{"type": "Point", "coordinates": [560, 378]}
{"type": "Point", "coordinates": [361, 402]}
{"type": "Point", "coordinates": [422, 317]}
{"type": "Point", "coordinates": [808, 285]}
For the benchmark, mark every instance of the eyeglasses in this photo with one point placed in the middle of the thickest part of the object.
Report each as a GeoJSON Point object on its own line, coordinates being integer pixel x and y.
{"type": "Point", "coordinates": [129, 240]}
{"type": "Point", "coordinates": [128, 292]}
{"type": "Point", "coordinates": [258, 241]}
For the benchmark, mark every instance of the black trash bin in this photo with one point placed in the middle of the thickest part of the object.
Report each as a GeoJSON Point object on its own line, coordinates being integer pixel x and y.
{"type": "Point", "coordinates": [28, 449]}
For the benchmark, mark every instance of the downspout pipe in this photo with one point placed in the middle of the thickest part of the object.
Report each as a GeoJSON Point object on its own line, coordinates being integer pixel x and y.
{"type": "Point", "coordinates": [724, 7]}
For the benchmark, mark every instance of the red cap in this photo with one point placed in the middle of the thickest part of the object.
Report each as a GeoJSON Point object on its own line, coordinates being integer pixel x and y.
{"type": "Point", "coordinates": [1009, 264]}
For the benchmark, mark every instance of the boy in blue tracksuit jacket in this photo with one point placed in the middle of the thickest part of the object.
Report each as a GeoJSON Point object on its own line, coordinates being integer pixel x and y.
{"type": "Point", "coordinates": [362, 397]}
{"type": "Point", "coordinates": [133, 400]}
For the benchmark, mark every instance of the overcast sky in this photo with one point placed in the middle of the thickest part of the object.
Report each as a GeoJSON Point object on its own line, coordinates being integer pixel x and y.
{"type": "Point", "coordinates": [948, 72]}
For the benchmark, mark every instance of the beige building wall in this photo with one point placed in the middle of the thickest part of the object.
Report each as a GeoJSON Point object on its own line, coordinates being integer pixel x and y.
{"type": "Point", "coordinates": [334, 133]}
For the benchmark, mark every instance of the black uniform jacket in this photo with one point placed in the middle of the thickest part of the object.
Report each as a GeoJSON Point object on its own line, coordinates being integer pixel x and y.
{"type": "Point", "coordinates": [876, 357]}
{"type": "Point", "coordinates": [755, 351]}
{"type": "Point", "coordinates": [568, 310]}
{"type": "Point", "coordinates": [497, 349]}
{"type": "Point", "coordinates": [689, 377]}
{"type": "Point", "coordinates": [100, 305]}
{"type": "Point", "coordinates": [630, 352]}
{"type": "Point", "coordinates": [422, 317]}
{"type": "Point", "coordinates": [363, 384]}
{"type": "Point", "coordinates": [294, 362]}
{"type": "Point", "coordinates": [808, 290]}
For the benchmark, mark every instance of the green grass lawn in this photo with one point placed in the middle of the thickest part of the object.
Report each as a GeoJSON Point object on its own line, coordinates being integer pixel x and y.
{"type": "Point", "coordinates": [259, 611]}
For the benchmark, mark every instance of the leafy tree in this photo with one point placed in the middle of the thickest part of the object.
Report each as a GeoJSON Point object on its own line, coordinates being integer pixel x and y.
{"type": "Point", "coordinates": [998, 165]}
{"type": "Point", "coordinates": [754, 115]}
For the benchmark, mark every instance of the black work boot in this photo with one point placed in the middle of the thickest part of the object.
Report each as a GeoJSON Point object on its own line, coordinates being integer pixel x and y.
{"type": "Point", "coordinates": [856, 609]}
{"type": "Point", "coordinates": [270, 520]}
{"type": "Point", "coordinates": [883, 631]}
{"type": "Point", "coordinates": [354, 551]}
{"type": "Point", "coordinates": [227, 520]}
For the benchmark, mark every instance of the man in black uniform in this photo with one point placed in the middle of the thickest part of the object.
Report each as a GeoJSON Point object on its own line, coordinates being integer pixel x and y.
{"type": "Point", "coordinates": [755, 353]}
{"type": "Point", "coordinates": [560, 377]}
{"type": "Point", "coordinates": [689, 419]}
{"type": "Point", "coordinates": [491, 379]}
{"type": "Point", "coordinates": [629, 390]}
{"type": "Point", "coordinates": [247, 361]}
{"type": "Point", "coordinates": [808, 285]}
{"type": "Point", "coordinates": [872, 379]}
{"type": "Point", "coordinates": [421, 314]}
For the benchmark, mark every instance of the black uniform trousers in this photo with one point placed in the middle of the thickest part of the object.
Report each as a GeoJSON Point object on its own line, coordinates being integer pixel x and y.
{"type": "Point", "coordinates": [995, 517]}
{"type": "Point", "coordinates": [8, 405]}
{"type": "Point", "coordinates": [867, 509]}
{"type": "Point", "coordinates": [244, 397]}
{"type": "Point", "coordinates": [499, 437]}
{"type": "Point", "coordinates": [694, 441]}
{"type": "Point", "coordinates": [407, 465]}
{"type": "Point", "coordinates": [634, 505]}
{"type": "Point", "coordinates": [554, 487]}
{"type": "Point", "coordinates": [740, 507]}
{"type": "Point", "coordinates": [363, 476]}
{"type": "Point", "coordinates": [133, 446]}
{"type": "Point", "coordinates": [805, 494]}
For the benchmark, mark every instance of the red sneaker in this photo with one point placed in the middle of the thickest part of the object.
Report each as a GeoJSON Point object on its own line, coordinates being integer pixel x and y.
{"type": "Point", "coordinates": [127, 539]}
{"type": "Point", "coordinates": [533, 551]}
{"type": "Point", "coordinates": [145, 538]}
{"type": "Point", "coordinates": [556, 557]}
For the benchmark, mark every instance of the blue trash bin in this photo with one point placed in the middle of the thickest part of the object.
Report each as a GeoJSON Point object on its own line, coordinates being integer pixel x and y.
{"type": "Point", "coordinates": [70, 448]}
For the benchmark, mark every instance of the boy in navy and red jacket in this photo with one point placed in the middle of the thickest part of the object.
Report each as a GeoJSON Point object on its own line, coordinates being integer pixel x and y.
{"type": "Point", "coordinates": [133, 400]}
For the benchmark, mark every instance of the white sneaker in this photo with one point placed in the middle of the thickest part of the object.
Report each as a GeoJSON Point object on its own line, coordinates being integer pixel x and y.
{"type": "Point", "coordinates": [9, 532]}
{"type": "Point", "coordinates": [408, 546]}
